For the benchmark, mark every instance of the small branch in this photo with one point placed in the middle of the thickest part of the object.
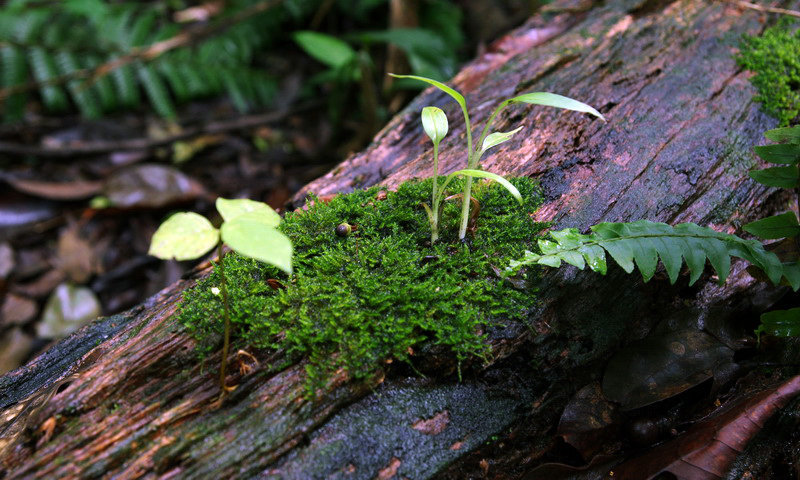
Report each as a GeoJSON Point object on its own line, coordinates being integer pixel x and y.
{"type": "Point", "coordinates": [146, 53]}
{"type": "Point", "coordinates": [761, 8]}
{"type": "Point", "coordinates": [134, 144]}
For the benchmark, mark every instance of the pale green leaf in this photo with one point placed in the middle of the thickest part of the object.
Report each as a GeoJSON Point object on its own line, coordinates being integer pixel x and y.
{"type": "Point", "coordinates": [491, 176]}
{"type": "Point", "coordinates": [497, 138]}
{"type": "Point", "coordinates": [558, 101]}
{"type": "Point", "coordinates": [434, 121]}
{"type": "Point", "coordinates": [230, 209]}
{"type": "Point", "coordinates": [184, 236]}
{"type": "Point", "coordinates": [441, 86]}
{"type": "Point", "coordinates": [252, 238]}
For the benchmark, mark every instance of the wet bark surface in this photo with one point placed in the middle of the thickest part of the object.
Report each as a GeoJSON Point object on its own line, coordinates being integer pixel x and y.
{"type": "Point", "coordinates": [126, 397]}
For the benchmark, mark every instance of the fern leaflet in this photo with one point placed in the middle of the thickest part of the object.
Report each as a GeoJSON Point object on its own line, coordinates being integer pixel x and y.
{"type": "Point", "coordinates": [641, 243]}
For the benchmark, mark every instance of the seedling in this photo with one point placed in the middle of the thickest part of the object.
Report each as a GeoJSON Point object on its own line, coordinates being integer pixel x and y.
{"type": "Point", "coordinates": [435, 125]}
{"type": "Point", "coordinates": [248, 228]}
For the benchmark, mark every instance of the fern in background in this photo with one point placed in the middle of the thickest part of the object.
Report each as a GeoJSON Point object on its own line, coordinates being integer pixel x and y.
{"type": "Point", "coordinates": [80, 52]}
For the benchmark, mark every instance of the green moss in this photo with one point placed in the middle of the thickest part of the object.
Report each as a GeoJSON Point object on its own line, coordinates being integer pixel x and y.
{"type": "Point", "coordinates": [382, 291]}
{"type": "Point", "coordinates": [775, 59]}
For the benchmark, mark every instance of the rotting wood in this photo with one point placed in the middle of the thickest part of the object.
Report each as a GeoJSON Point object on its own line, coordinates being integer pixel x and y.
{"type": "Point", "coordinates": [676, 148]}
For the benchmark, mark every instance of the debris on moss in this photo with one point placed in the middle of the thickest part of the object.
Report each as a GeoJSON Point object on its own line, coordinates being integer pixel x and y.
{"type": "Point", "coordinates": [774, 58]}
{"type": "Point", "coordinates": [382, 291]}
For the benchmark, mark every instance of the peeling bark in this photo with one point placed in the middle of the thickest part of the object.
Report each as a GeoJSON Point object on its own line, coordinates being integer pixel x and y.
{"type": "Point", "coordinates": [678, 143]}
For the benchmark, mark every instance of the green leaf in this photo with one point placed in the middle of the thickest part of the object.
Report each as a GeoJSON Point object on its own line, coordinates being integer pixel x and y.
{"type": "Point", "coordinates": [784, 135]}
{"type": "Point", "coordinates": [785, 154]}
{"type": "Point", "coordinates": [791, 271]}
{"type": "Point", "coordinates": [558, 101]}
{"type": "Point", "coordinates": [230, 209]}
{"type": "Point", "coordinates": [777, 226]}
{"type": "Point", "coordinates": [183, 236]}
{"type": "Point", "coordinates": [491, 176]}
{"type": "Point", "coordinates": [780, 323]}
{"type": "Point", "coordinates": [497, 138]}
{"type": "Point", "coordinates": [441, 86]}
{"type": "Point", "coordinates": [252, 238]}
{"type": "Point", "coordinates": [784, 177]}
{"type": "Point", "coordinates": [434, 121]}
{"type": "Point", "coordinates": [327, 49]}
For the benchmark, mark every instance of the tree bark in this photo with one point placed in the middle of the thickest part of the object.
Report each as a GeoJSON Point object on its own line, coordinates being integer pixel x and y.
{"type": "Point", "coordinates": [677, 146]}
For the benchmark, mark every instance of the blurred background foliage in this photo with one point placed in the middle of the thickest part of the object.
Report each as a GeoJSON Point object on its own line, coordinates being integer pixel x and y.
{"type": "Point", "coordinates": [117, 113]}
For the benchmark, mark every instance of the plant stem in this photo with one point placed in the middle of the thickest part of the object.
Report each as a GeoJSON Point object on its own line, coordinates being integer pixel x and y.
{"type": "Point", "coordinates": [435, 197]}
{"type": "Point", "coordinates": [462, 231]}
{"type": "Point", "coordinates": [226, 307]}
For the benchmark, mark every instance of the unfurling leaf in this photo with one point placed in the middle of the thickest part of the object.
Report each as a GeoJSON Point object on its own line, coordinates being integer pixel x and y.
{"type": "Point", "coordinates": [247, 235]}
{"type": "Point", "coordinates": [183, 236]}
{"type": "Point", "coordinates": [497, 138]}
{"type": "Point", "coordinates": [777, 226]}
{"type": "Point", "coordinates": [434, 121]}
{"type": "Point", "coordinates": [230, 209]}
{"type": "Point", "coordinates": [558, 101]}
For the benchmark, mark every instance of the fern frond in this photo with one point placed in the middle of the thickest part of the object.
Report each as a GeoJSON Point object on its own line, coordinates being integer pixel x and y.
{"type": "Point", "coordinates": [641, 244]}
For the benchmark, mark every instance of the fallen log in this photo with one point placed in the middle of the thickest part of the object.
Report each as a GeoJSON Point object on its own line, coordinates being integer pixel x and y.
{"type": "Point", "coordinates": [126, 398]}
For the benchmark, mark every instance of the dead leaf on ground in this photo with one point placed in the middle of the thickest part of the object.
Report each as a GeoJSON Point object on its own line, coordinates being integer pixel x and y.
{"type": "Point", "coordinates": [6, 260]}
{"type": "Point", "coordinates": [15, 345]}
{"type": "Point", "coordinates": [590, 422]}
{"type": "Point", "coordinates": [76, 190]}
{"type": "Point", "coordinates": [17, 310]}
{"type": "Point", "coordinates": [67, 309]}
{"type": "Point", "coordinates": [151, 186]}
{"type": "Point", "coordinates": [42, 286]}
{"type": "Point", "coordinates": [76, 257]}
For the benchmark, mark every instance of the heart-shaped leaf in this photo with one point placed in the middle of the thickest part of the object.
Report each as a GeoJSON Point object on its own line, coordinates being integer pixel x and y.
{"type": "Point", "coordinates": [434, 121]}
{"type": "Point", "coordinates": [183, 236]}
{"type": "Point", "coordinates": [230, 209]}
{"type": "Point", "coordinates": [250, 237]}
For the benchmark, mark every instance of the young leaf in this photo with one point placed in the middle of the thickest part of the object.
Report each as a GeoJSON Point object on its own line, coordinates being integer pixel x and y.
{"type": "Point", "coordinates": [491, 176]}
{"type": "Point", "coordinates": [558, 101]}
{"type": "Point", "coordinates": [786, 154]}
{"type": "Point", "coordinates": [434, 121]}
{"type": "Point", "coordinates": [784, 135]}
{"type": "Point", "coordinates": [327, 49]}
{"type": "Point", "coordinates": [252, 238]}
{"type": "Point", "coordinates": [230, 209]}
{"type": "Point", "coordinates": [784, 177]}
{"type": "Point", "coordinates": [497, 138]}
{"type": "Point", "coordinates": [777, 226]}
{"type": "Point", "coordinates": [441, 86]}
{"type": "Point", "coordinates": [780, 323]}
{"type": "Point", "coordinates": [183, 236]}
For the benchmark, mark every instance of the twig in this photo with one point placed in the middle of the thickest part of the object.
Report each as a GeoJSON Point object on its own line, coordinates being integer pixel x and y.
{"type": "Point", "coordinates": [100, 147]}
{"type": "Point", "coordinates": [761, 8]}
{"type": "Point", "coordinates": [146, 53]}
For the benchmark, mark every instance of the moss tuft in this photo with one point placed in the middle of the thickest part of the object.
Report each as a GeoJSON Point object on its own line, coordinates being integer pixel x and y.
{"type": "Point", "coordinates": [382, 291]}
{"type": "Point", "coordinates": [775, 59]}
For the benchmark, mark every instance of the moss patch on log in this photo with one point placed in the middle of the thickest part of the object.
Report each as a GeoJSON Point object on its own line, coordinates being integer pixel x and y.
{"type": "Point", "coordinates": [383, 291]}
{"type": "Point", "coordinates": [774, 58]}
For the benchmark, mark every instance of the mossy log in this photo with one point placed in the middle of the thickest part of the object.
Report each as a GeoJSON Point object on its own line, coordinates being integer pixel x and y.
{"type": "Point", "coordinates": [136, 403]}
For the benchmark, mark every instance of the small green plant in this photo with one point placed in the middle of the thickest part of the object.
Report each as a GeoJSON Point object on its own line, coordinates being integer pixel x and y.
{"type": "Point", "coordinates": [248, 228]}
{"type": "Point", "coordinates": [643, 242]}
{"type": "Point", "coordinates": [485, 142]}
